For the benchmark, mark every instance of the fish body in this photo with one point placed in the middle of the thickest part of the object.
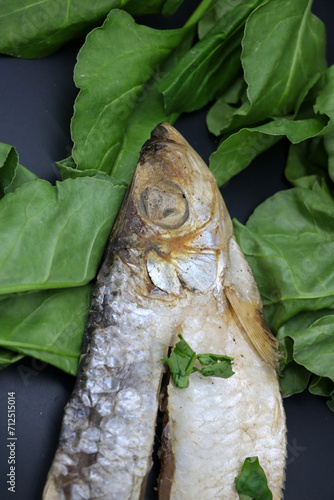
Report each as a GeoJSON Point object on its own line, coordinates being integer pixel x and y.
{"type": "Point", "coordinates": [171, 266]}
{"type": "Point", "coordinates": [216, 423]}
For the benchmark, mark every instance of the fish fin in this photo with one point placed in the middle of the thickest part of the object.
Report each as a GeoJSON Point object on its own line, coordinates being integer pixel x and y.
{"type": "Point", "coordinates": [196, 270]}
{"type": "Point", "coordinates": [162, 273]}
{"type": "Point", "coordinates": [242, 294]}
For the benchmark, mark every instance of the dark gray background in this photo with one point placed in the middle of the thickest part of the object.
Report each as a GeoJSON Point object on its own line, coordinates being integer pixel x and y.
{"type": "Point", "coordinates": [36, 100]}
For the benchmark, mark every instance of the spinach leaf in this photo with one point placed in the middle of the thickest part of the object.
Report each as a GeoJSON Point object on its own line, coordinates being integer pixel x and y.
{"type": "Point", "coordinates": [164, 7]}
{"type": "Point", "coordinates": [329, 144]}
{"type": "Point", "coordinates": [325, 98]}
{"type": "Point", "coordinates": [309, 331]}
{"type": "Point", "coordinates": [276, 91]}
{"type": "Point", "coordinates": [47, 325]}
{"type": "Point", "coordinates": [325, 104]}
{"type": "Point", "coordinates": [289, 243]}
{"type": "Point", "coordinates": [210, 66]}
{"type": "Point", "coordinates": [321, 386]}
{"type": "Point", "coordinates": [252, 482]}
{"type": "Point", "coordinates": [221, 113]}
{"type": "Point", "coordinates": [237, 151]}
{"type": "Point", "coordinates": [216, 365]}
{"type": "Point", "coordinates": [215, 12]}
{"type": "Point", "coordinates": [148, 111]}
{"type": "Point", "coordinates": [170, 6]}
{"type": "Point", "coordinates": [181, 364]}
{"type": "Point", "coordinates": [8, 357]}
{"type": "Point", "coordinates": [288, 42]}
{"type": "Point", "coordinates": [114, 68]}
{"type": "Point", "coordinates": [313, 347]}
{"type": "Point", "coordinates": [46, 25]}
{"type": "Point", "coordinates": [307, 163]}
{"type": "Point", "coordinates": [68, 170]}
{"type": "Point", "coordinates": [12, 174]}
{"type": "Point", "coordinates": [294, 379]}
{"type": "Point", "coordinates": [54, 236]}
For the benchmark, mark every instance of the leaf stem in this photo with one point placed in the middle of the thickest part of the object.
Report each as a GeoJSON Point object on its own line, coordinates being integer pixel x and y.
{"type": "Point", "coordinates": [198, 13]}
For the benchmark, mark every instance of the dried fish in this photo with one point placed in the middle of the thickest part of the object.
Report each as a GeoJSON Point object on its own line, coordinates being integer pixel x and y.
{"type": "Point", "coordinates": [172, 266]}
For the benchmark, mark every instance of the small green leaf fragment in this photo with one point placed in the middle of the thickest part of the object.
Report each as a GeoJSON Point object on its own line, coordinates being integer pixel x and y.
{"type": "Point", "coordinates": [222, 369]}
{"type": "Point", "coordinates": [252, 482]}
{"type": "Point", "coordinates": [209, 359]}
{"type": "Point", "coordinates": [180, 363]}
{"type": "Point", "coordinates": [182, 359]}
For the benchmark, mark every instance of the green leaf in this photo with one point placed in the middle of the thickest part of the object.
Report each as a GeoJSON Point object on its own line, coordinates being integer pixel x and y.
{"type": "Point", "coordinates": [220, 114]}
{"type": "Point", "coordinates": [146, 115]}
{"type": "Point", "coordinates": [210, 66]}
{"type": "Point", "coordinates": [329, 145]}
{"type": "Point", "coordinates": [222, 367]}
{"type": "Point", "coordinates": [46, 25]}
{"type": "Point", "coordinates": [214, 13]}
{"type": "Point", "coordinates": [69, 170]}
{"type": "Point", "coordinates": [307, 163]}
{"type": "Point", "coordinates": [313, 347]}
{"type": "Point", "coordinates": [325, 104]}
{"type": "Point", "coordinates": [170, 6]}
{"type": "Point", "coordinates": [325, 100]}
{"type": "Point", "coordinates": [180, 363]}
{"type": "Point", "coordinates": [8, 164]}
{"type": "Point", "coordinates": [236, 152]}
{"type": "Point", "coordinates": [149, 111]}
{"type": "Point", "coordinates": [252, 482]}
{"type": "Point", "coordinates": [321, 386]}
{"type": "Point", "coordinates": [12, 174]}
{"type": "Point", "coordinates": [288, 42]}
{"type": "Point", "coordinates": [280, 40]}
{"type": "Point", "coordinates": [289, 243]}
{"type": "Point", "coordinates": [47, 325]}
{"type": "Point", "coordinates": [54, 236]}
{"type": "Point", "coordinates": [164, 7]}
{"type": "Point", "coordinates": [114, 73]}
{"type": "Point", "coordinates": [8, 357]}
{"type": "Point", "coordinates": [294, 379]}
{"type": "Point", "coordinates": [182, 359]}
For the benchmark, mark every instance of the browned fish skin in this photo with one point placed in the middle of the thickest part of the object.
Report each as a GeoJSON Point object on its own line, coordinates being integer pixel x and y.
{"type": "Point", "coordinates": [172, 266]}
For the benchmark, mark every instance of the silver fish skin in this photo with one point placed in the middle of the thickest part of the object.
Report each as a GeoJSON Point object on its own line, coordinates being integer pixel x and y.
{"type": "Point", "coordinates": [171, 266]}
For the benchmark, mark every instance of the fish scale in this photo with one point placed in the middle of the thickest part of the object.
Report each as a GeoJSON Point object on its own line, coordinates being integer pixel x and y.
{"type": "Point", "coordinates": [215, 423]}
{"type": "Point", "coordinates": [121, 383]}
{"type": "Point", "coordinates": [172, 266]}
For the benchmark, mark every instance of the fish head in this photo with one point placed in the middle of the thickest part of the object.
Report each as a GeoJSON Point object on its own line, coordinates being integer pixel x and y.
{"type": "Point", "coordinates": [174, 216]}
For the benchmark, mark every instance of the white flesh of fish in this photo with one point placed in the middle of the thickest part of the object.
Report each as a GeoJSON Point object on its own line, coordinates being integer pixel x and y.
{"type": "Point", "coordinates": [172, 266]}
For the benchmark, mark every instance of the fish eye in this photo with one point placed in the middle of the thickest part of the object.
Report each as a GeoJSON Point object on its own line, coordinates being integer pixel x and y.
{"type": "Point", "coordinates": [165, 204]}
